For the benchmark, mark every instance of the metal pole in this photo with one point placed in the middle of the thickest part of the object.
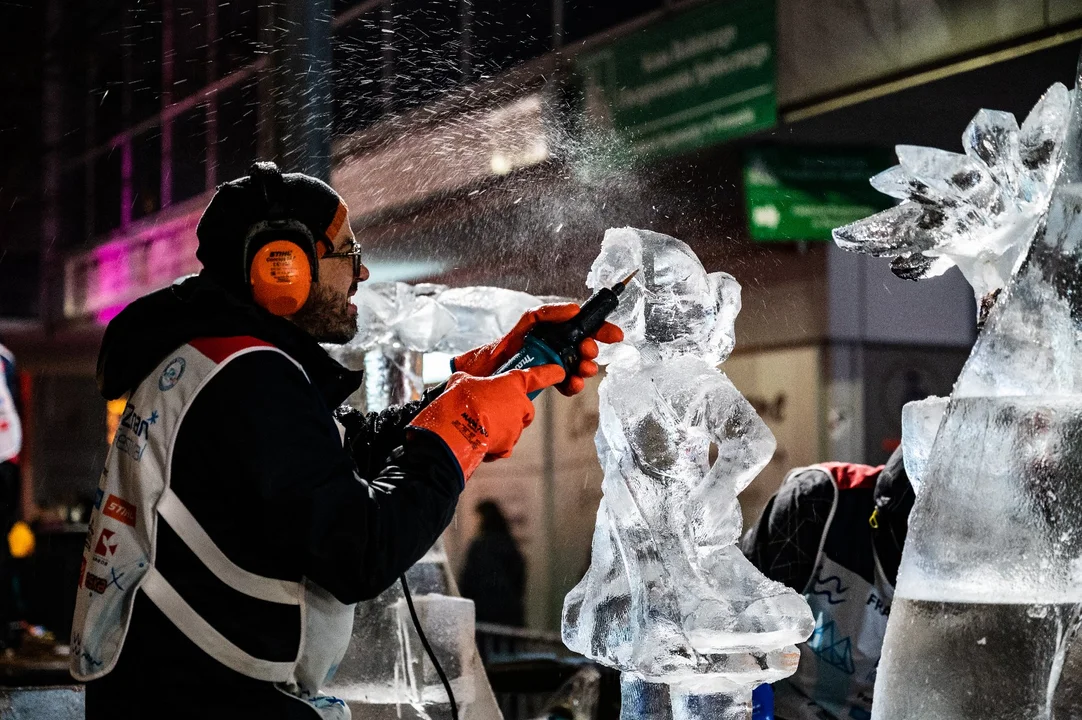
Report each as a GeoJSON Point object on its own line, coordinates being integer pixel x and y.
{"type": "Point", "coordinates": [168, 56]}
{"type": "Point", "coordinates": [304, 105]}
{"type": "Point", "coordinates": [465, 38]}
{"type": "Point", "coordinates": [51, 106]}
{"type": "Point", "coordinates": [267, 146]}
{"type": "Point", "coordinates": [211, 107]}
{"type": "Point", "coordinates": [386, 35]}
{"type": "Point", "coordinates": [126, 160]}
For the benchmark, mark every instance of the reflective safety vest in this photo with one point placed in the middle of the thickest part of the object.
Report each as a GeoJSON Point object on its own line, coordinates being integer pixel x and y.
{"type": "Point", "coordinates": [134, 495]}
{"type": "Point", "coordinates": [838, 662]}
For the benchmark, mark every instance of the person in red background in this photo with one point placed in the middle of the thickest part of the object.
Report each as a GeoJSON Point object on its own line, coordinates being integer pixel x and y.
{"type": "Point", "coordinates": [10, 490]}
{"type": "Point", "coordinates": [835, 532]}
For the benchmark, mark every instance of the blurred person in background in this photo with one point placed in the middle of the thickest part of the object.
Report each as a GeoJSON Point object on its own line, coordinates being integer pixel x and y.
{"type": "Point", "coordinates": [16, 540]}
{"type": "Point", "coordinates": [494, 575]}
{"type": "Point", "coordinates": [835, 532]}
{"type": "Point", "coordinates": [242, 510]}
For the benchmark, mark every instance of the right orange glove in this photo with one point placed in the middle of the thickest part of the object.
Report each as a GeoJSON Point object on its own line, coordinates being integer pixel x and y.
{"type": "Point", "coordinates": [485, 360]}
{"type": "Point", "coordinates": [481, 418]}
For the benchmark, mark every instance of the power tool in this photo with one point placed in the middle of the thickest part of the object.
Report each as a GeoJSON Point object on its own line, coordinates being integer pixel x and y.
{"type": "Point", "coordinates": [558, 343]}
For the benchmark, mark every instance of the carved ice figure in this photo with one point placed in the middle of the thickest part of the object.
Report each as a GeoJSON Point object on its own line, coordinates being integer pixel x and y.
{"type": "Point", "coordinates": [669, 600]}
{"type": "Point", "coordinates": [987, 613]}
{"type": "Point", "coordinates": [976, 210]}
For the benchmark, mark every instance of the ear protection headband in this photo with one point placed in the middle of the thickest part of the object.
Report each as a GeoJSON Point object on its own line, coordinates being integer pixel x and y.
{"type": "Point", "coordinates": [281, 257]}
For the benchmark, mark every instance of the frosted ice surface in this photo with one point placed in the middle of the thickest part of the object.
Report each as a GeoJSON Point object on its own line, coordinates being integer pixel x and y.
{"type": "Point", "coordinates": [672, 307]}
{"type": "Point", "coordinates": [427, 317]}
{"type": "Point", "coordinates": [920, 423]}
{"type": "Point", "coordinates": [977, 210]}
{"type": "Point", "coordinates": [483, 314]}
{"type": "Point", "coordinates": [668, 598]}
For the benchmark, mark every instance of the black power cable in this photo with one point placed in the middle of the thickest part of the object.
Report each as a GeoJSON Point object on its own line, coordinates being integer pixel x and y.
{"type": "Point", "coordinates": [428, 649]}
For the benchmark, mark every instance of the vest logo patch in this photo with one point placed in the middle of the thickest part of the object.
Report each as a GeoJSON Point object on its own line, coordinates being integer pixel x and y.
{"type": "Point", "coordinates": [120, 509]}
{"type": "Point", "coordinates": [881, 606]}
{"type": "Point", "coordinates": [133, 435]}
{"type": "Point", "coordinates": [98, 584]}
{"type": "Point", "coordinates": [830, 587]}
{"type": "Point", "coordinates": [105, 548]}
{"type": "Point", "coordinates": [171, 374]}
{"type": "Point", "coordinates": [834, 652]}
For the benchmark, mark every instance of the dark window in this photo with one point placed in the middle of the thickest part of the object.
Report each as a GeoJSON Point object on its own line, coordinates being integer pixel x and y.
{"type": "Point", "coordinates": [506, 33]}
{"type": "Point", "coordinates": [238, 136]}
{"type": "Point", "coordinates": [103, 27]}
{"type": "Point", "coordinates": [108, 92]}
{"type": "Point", "coordinates": [189, 154]}
{"type": "Point", "coordinates": [189, 47]}
{"type": "Point", "coordinates": [72, 203]}
{"type": "Point", "coordinates": [107, 191]}
{"type": "Point", "coordinates": [19, 284]}
{"type": "Point", "coordinates": [358, 74]}
{"type": "Point", "coordinates": [426, 50]}
{"type": "Point", "coordinates": [583, 18]}
{"type": "Point", "coordinates": [238, 34]}
{"type": "Point", "coordinates": [145, 35]}
{"type": "Point", "coordinates": [147, 173]}
{"type": "Point", "coordinates": [72, 47]}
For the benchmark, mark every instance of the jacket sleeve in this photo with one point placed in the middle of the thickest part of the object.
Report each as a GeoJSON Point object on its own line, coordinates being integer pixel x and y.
{"type": "Point", "coordinates": [372, 437]}
{"type": "Point", "coordinates": [259, 441]}
{"type": "Point", "coordinates": [784, 544]}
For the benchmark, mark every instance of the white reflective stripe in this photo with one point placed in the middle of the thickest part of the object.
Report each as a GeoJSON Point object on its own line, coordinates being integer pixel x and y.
{"type": "Point", "coordinates": [195, 537]}
{"type": "Point", "coordinates": [209, 640]}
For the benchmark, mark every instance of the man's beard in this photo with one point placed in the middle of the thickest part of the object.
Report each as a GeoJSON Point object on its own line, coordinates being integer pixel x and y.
{"type": "Point", "coordinates": [326, 317]}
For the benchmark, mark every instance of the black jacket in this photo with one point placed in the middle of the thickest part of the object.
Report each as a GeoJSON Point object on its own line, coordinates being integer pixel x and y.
{"type": "Point", "coordinates": [258, 461]}
{"type": "Point", "coordinates": [802, 518]}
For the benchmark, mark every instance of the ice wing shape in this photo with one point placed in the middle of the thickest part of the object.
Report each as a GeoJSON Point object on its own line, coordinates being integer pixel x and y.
{"type": "Point", "coordinates": [978, 209]}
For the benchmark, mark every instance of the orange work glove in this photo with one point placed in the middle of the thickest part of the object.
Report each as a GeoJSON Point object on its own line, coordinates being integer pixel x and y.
{"type": "Point", "coordinates": [487, 359]}
{"type": "Point", "coordinates": [481, 418]}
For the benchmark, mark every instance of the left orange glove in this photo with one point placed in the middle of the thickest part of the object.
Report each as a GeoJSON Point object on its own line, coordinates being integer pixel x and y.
{"type": "Point", "coordinates": [485, 360]}
{"type": "Point", "coordinates": [481, 418]}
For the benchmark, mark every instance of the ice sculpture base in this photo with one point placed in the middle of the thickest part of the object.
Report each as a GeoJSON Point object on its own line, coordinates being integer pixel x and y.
{"type": "Point", "coordinates": [641, 699]}
{"type": "Point", "coordinates": [995, 661]}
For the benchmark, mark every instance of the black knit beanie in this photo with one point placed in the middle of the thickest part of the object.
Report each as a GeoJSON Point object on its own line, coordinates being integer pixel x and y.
{"type": "Point", "coordinates": [239, 204]}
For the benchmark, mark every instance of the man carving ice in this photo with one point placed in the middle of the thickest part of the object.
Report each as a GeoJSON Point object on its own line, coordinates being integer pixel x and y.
{"type": "Point", "coordinates": [244, 515]}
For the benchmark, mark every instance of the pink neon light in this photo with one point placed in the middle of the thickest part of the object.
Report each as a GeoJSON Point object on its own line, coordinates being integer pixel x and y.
{"type": "Point", "coordinates": [105, 315]}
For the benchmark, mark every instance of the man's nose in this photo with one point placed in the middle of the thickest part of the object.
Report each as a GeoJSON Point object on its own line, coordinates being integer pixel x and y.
{"type": "Point", "coordinates": [362, 273]}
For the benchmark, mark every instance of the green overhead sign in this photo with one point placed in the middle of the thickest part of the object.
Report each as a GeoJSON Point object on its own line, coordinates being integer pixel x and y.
{"type": "Point", "coordinates": [705, 76]}
{"type": "Point", "coordinates": [803, 194]}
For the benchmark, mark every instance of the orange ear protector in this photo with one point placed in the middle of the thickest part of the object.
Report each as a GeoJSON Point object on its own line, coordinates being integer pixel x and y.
{"type": "Point", "coordinates": [281, 258]}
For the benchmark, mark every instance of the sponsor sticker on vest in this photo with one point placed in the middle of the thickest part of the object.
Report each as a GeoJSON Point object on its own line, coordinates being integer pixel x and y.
{"type": "Point", "coordinates": [133, 435]}
{"type": "Point", "coordinates": [171, 374]}
{"type": "Point", "coordinates": [106, 546]}
{"type": "Point", "coordinates": [120, 509]}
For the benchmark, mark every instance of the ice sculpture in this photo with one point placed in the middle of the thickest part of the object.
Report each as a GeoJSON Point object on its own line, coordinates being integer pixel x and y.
{"type": "Point", "coordinates": [385, 673]}
{"type": "Point", "coordinates": [976, 210]}
{"type": "Point", "coordinates": [987, 614]}
{"type": "Point", "coordinates": [669, 600]}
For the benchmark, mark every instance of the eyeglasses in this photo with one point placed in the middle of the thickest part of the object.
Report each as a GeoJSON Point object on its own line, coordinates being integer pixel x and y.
{"type": "Point", "coordinates": [353, 250]}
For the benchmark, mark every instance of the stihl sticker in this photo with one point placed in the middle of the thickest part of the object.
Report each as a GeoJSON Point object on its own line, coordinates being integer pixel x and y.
{"type": "Point", "coordinates": [119, 509]}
